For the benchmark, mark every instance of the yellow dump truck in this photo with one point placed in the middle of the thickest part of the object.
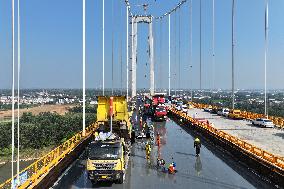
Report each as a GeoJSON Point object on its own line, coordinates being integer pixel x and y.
{"type": "Point", "coordinates": [235, 114]}
{"type": "Point", "coordinates": [106, 161]}
{"type": "Point", "coordinates": [120, 123]}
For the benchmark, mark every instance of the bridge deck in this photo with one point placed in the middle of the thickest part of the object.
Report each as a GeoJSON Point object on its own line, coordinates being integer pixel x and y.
{"type": "Point", "coordinates": [212, 170]}
{"type": "Point", "coordinates": [271, 140]}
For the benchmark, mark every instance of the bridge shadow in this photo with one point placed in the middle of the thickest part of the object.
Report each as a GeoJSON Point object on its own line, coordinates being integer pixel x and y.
{"type": "Point", "coordinates": [279, 135]}
{"type": "Point", "coordinates": [102, 184]}
{"type": "Point", "coordinates": [186, 154]}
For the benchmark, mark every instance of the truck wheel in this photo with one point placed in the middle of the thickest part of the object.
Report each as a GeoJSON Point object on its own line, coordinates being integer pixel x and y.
{"type": "Point", "coordinates": [94, 182]}
{"type": "Point", "coordinates": [121, 178]}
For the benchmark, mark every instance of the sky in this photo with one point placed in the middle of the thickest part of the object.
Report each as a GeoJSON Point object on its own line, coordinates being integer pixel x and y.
{"type": "Point", "coordinates": [51, 44]}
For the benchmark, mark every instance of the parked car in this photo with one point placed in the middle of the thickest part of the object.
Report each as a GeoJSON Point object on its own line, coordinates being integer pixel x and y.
{"type": "Point", "coordinates": [184, 108]}
{"type": "Point", "coordinates": [220, 111]}
{"type": "Point", "coordinates": [208, 109]}
{"type": "Point", "coordinates": [263, 122]}
{"type": "Point", "coordinates": [223, 112]}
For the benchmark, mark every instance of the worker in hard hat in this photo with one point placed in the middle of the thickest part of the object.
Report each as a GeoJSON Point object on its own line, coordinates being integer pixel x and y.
{"type": "Point", "coordinates": [158, 139]}
{"type": "Point", "coordinates": [148, 150]}
{"type": "Point", "coordinates": [197, 146]}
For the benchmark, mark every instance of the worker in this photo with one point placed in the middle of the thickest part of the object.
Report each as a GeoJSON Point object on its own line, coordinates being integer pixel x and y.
{"type": "Point", "coordinates": [133, 136]}
{"type": "Point", "coordinates": [158, 139]}
{"type": "Point", "coordinates": [141, 122]}
{"type": "Point", "coordinates": [171, 169]}
{"type": "Point", "coordinates": [148, 150]}
{"type": "Point", "coordinates": [197, 146]}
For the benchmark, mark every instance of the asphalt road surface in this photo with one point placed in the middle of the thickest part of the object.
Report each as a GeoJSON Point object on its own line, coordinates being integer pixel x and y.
{"type": "Point", "coordinates": [212, 169]}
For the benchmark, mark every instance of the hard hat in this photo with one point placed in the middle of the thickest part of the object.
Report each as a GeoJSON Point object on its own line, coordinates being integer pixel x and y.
{"type": "Point", "coordinates": [197, 139]}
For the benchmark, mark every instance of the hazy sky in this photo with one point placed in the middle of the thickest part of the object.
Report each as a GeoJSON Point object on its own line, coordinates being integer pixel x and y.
{"type": "Point", "coordinates": [51, 43]}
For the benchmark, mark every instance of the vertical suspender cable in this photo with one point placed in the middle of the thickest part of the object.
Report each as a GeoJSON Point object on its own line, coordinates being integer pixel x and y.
{"type": "Point", "coordinates": [169, 77]}
{"type": "Point", "coordinates": [103, 47]}
{"type": "Point", "coordinates": [127, 55]}
{"type": "Point", "coordinates": [84, 64]}
{"type": "Point", "coordinates": [13, 90]}
{"type": "Point", "coordinates": [18, 113]}
{"type": "Point", "coordinates": [213, 43]}
{"type": "Point", "coordinates": [120, 52]}
{"type": "Point", "coordinates": [200, 41]}
{"type": "Point", "coordinates": [179, 48]}
{"type": "Point", "coordinates": [112, 15]}
{"type": "Point", "coordinates": [265, 57]}
{"type": "Point", "coordinates": [233, 44]}
{"type": "Point", "coordinates": [175, 49]}
{"type": "Point", "coordinates": [190, 53]}
{"type": "Point", "coordinates": [161, 57]}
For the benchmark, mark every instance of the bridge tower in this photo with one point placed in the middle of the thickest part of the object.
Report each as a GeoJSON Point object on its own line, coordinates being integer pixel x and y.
{"type": "Point", "coordinates": [148, 20]}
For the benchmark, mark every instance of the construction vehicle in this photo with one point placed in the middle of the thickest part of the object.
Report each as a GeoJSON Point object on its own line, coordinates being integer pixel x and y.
{"type": "Point", "coordinates": [158, 99]}
{"type": "Point", "coordinates": [235, 114]}
{"type": "Point", "coordinates": [160, 113]}
{"type": "Point", "coordinates": [106, 160]}
{"type": "Point", "coordinates": [120, 117]}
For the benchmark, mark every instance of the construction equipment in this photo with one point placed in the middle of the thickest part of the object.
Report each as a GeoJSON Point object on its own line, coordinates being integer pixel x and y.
{"type": "Point", "coordinates": [106, 160]}
{"type": "Point", "coordinates": [120, 117]}
{"type": "Point", "coordinates": [235, 114]}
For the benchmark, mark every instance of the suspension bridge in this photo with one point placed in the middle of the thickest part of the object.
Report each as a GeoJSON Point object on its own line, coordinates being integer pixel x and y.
{"type": "Point", "coordinates": [234, 153]}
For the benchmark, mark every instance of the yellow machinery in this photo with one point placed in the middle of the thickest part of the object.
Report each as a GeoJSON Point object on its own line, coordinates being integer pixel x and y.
{"type": "Point", "coordinates": [235, 114]}
{"type": "Point", "coordinates": [189, 105]}
{"type": "Point", "coordinates": [106, 161]}
{"type": "Point", "coordinates": [120, 122]}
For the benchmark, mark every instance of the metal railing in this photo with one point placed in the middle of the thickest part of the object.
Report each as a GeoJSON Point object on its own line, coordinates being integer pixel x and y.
{"type": "Point", "coordinates": [34, 173]}
{"type": "Point", "coordinates": [270, 158]}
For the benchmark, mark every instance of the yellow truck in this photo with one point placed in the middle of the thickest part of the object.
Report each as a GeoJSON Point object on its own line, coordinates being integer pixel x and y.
{"type": "Point", "coordinates": [121, 123]}
{"type": "Point", "coordinates": [235, 114]}
{"type": "Point", "coordinates": [106, 161]}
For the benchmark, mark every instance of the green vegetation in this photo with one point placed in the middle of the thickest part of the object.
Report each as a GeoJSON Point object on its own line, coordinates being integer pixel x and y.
{"type": "Point", "coordinates": [273, 110]}
{"type": "Point", "coordinates": [22, 106]}
{"type": "Point", "coordinates": [45, 130]}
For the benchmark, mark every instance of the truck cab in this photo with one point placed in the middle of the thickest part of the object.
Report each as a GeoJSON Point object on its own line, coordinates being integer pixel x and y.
{"type": "Point", "coordinates": [105, 161]}
{"type": "Point", "coordinates": [160, 113]}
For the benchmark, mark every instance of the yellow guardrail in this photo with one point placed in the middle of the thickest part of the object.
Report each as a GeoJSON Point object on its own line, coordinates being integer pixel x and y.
{"type": "Point", "coordinates": [35, 172]}
{"type": "Point", "coordinates": [258, 152]}
{"type": "Point", "coordinates": [278, 121]}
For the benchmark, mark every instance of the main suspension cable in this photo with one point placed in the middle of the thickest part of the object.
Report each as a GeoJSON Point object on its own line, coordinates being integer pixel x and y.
{"type": "Point", "coordinates": [172, 10]}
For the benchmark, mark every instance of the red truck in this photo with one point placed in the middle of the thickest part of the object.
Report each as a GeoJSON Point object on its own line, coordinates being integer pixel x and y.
{"type": "Point", "coordinates": [160, 113]}
{"type": "Point", "coordinates": [158, 99]}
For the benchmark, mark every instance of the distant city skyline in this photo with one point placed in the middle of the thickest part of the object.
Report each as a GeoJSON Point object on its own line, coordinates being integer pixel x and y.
{"type": "Point", "coordinates": [51, 44]}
